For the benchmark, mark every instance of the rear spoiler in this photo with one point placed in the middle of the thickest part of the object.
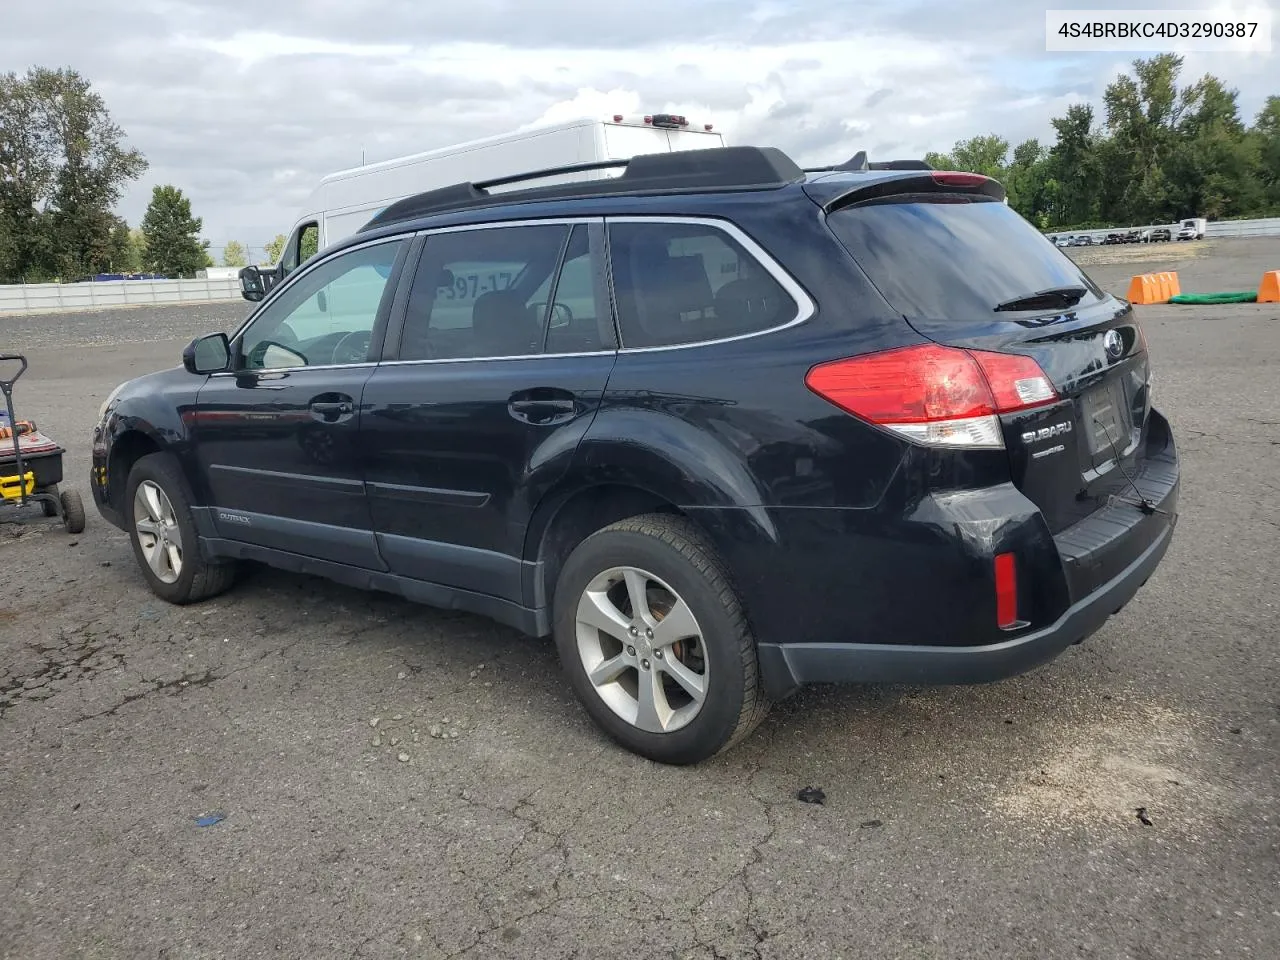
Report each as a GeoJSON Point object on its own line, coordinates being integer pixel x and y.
{"type": "Point", "coordinates": [835, 193]}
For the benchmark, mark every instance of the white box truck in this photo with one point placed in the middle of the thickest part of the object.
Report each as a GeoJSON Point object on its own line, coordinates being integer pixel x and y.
{"type": "Point", "coordinates": [1193, 228]}
{"type": "Point", "coordinates": [345, 201]}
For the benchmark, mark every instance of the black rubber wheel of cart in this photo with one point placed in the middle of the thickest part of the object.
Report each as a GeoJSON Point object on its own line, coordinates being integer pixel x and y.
{"type": "Point", "coordinates": [72, 511]}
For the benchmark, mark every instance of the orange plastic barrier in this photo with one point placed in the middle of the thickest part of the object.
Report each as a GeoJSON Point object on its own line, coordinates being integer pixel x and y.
{"type": "Point", "coordinates": [1269, 289]}
{"type": "Point", "coordinates": [1147, 288]}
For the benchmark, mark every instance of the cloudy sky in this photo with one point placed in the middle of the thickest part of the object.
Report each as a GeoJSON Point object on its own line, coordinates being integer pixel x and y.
{"type": "Point", "coordinates": [245, 105]}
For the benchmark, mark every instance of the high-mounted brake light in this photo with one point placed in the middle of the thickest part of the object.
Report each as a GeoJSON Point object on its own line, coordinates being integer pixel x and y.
{"type": "Point", "coordinates": [935, 395]}
{"type": "Point", "coordinates": [949, 178]}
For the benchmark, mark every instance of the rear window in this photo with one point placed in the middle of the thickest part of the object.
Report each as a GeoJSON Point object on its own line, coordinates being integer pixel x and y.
{"type": "Point", "coordinates": [956, 257]}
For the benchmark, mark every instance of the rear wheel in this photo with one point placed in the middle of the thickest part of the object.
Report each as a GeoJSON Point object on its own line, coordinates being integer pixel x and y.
{"type": "Point", "coordinates": [163, 533]}
{"type": "Point", "coordinates": [655, 642]}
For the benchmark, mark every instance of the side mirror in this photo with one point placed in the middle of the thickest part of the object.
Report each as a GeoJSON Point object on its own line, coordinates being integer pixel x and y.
{"type": "Point", "coordinates": [211, 354]}
{"type": "Point", "coordinates": [252, 286]}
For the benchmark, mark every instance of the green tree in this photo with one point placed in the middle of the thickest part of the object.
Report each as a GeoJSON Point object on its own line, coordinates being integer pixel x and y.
{"type": "Point", "coordinates": [1073, 168]}
{"type": "Point", "coordinates": [1266, 137]}
{"type": "Point", "coordinates": [63, 166]}
{"type": "Point", "coordinates": [172, 234]}
{"type": "Point", "coordinates": [275, 248]}
{"type": "Point", "coordinates": [234, 255]}
{"type": "Point", "coordinates": [985, 155]}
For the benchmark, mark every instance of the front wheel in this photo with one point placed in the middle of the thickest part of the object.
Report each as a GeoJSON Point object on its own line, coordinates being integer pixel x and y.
{"type": "Point", "coordinates": [163, 534]}
{"type": "Point", "coordinates": [655, 642]}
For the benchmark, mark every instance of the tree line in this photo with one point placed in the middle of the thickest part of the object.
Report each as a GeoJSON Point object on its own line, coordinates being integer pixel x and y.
{"type": "Point", "coordinates": [63, 167]}
{"type": "Point", "coordinates": [1160, 154]}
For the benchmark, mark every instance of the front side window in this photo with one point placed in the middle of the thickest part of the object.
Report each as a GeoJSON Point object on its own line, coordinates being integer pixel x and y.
{"type": "Point", "coordinates": [327, 316]}
{"type": "Point", "coordinates": [501, 292]}
{"type": "Point", "coordinates": [688, 282]}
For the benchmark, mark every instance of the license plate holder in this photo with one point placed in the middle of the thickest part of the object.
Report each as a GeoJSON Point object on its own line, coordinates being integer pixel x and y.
{"type": "Point", "coordinates": [1106, 420]}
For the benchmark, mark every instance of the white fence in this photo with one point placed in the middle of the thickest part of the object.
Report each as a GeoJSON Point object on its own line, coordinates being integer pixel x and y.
{"type": "Point", "coordinates": [39, 297]}
{"type": "Point", "coordinates": [1269, 227]}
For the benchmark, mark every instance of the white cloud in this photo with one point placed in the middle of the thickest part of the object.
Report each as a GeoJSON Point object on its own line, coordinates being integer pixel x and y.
{"type": "Point", "coordinates": [245, 107]}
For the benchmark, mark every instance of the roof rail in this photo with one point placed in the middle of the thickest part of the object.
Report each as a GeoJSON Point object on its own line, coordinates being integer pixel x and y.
{"type": "Point", "coordinates": [681, 171]}
{"type": "Point", "coordinates": [859, 162]}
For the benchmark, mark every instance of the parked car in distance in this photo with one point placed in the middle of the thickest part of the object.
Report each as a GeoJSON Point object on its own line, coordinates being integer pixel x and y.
{"type": "Point", "coordinates": [1062, 242]}
{"type": "Point", "coordinates": [1082, 241]}
{"type": "Point", "coordinates": [1159, 234]}
{"type": "Point", "coordinates": [701, 423]}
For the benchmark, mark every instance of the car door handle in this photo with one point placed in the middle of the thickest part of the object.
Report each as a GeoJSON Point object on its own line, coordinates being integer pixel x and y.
{"type": "Point", "coordinates": [543, 407]}
{"type": "Point", "coordinates": [331, 411]}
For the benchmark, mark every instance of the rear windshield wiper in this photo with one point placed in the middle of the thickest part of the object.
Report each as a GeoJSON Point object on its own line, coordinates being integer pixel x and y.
{"type": "Point", "coordinates": [1047, 299]}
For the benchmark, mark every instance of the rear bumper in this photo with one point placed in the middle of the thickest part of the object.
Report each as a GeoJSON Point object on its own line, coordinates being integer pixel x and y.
{"type": "Point", "coordinates": [915, 604]}
{"type": "Point", "coordinates": [793, 664]}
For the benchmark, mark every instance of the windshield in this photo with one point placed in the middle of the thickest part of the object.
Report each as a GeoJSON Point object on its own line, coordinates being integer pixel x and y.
{"type": "Point", "coordinates": [951, 256]}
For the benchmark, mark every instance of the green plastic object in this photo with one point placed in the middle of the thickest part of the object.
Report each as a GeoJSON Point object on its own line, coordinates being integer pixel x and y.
{"type": "Point", "coordinates": [1240, 296]}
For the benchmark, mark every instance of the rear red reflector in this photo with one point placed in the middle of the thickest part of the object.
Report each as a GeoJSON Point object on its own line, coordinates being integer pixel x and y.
{"type": "Point", "coordinates": [617, 118]}
{"type": "Point", "coordinates": [1006, 591]}
{"type": "Point", "coordinates": [950, 178]}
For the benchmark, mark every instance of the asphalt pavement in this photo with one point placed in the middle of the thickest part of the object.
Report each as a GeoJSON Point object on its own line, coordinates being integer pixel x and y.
{"type": "Point", "coordinates": [381, 779]}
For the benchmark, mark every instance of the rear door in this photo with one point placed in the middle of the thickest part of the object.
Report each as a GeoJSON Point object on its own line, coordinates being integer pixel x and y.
{"type": "Point", "coordinates": [506, 347]}
{"type": "Point", "coordinates": [962, 268]}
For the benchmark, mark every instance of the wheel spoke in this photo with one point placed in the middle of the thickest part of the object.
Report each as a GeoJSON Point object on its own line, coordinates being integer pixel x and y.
{"type": "Point", "coordinates": [637, 585]}
{"type": "Point", "coordinates": [694, 684]}
{"type": "Point", "coordinates": [676, 625]}
{"type": "Point", "coordinates": [610, 670]}
{"type": "Point", "coordinates": [654, 712]}
{"type": "Point", "coordinates": [151, 501]}
{"type": "Point", "coordinates": [148, 526]}
{"type": "Point", "coordinates": [174, 556]}
{"type": "Point", "coordinates": [156, 560]}
{"type": "Point", "coordinates": [597, 610]}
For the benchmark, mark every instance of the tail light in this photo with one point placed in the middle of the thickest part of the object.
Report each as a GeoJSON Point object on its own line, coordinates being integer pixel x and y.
{"type": "Point", "coordinates": [935, 395]}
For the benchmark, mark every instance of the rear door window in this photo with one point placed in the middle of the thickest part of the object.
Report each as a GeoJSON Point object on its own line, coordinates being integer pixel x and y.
{"type": "Point", "coordinates": [689, 282]}
{"type": "Point", "coordinates": [957, 257]}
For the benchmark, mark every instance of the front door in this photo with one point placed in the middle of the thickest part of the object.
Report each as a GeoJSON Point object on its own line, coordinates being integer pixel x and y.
{"type": "Point", "coordinates": [505, 352]}
{"type": "Point", "coordinates": [275, 438]}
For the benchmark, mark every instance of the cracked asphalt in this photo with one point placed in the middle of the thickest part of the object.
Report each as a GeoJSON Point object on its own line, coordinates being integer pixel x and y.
{"type": "Point", "coordinates": [1119, 803]}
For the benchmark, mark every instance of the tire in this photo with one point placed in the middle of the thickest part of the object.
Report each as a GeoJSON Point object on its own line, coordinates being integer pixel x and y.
{"type": "Point", "coordinates": [194, 578]}
{"type": "Point", "coordinates": [677, 565]}
{"type": "Point", "coordinates": [72, 511]}
{"type": "Point", "coordinates": [46, 507]}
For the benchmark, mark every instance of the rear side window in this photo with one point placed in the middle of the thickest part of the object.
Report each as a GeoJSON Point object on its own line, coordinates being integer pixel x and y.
{"type": "Point", "coordinates": [954, 257]}
{"type": "Point", "coordinates": [686, 282]}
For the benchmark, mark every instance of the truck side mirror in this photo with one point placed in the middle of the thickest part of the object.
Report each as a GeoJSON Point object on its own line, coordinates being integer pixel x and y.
{"type": "Point", "coordinates": [252, 286]}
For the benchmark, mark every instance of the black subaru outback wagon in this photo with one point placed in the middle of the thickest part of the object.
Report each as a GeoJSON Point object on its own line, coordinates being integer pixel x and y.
{"type": "Point", "coordinates": [719, 425]}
